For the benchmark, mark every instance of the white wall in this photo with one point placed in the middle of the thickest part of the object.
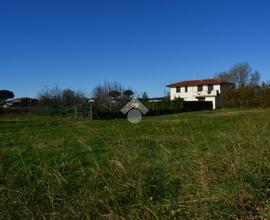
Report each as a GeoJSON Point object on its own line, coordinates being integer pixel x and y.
{"type": "Point", "coordinates": [192, 93]}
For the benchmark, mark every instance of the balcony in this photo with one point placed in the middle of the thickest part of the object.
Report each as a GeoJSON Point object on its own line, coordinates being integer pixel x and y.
{"type": "Point", "coordinates": [207, 93]}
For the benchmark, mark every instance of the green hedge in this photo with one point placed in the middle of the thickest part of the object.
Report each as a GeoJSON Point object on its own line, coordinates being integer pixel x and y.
{"type": "Point", "coordinates": [246, 97]}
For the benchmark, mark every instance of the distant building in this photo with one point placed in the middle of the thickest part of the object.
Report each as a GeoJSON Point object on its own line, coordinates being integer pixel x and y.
{"type": "Point", "coordinates": [24, 102]}
{"type": "Point", "coordinates": [200, 90]}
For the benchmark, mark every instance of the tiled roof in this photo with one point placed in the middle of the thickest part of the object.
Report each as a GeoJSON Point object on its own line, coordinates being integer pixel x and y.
{"type": "Point", "coordinates": [198, 82]}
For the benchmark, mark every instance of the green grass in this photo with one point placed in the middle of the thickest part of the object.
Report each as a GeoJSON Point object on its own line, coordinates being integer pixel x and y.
{"type": "Point", "coordinates": [200, 165]}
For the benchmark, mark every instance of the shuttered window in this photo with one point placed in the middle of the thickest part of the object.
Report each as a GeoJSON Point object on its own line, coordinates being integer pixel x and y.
{"type": "Point", "coordinates": [210, 87]}
{"type": "Point", "coordinates": [200, 88]}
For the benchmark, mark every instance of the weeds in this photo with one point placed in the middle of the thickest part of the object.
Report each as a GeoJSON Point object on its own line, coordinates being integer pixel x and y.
{"type": "Point", "coordinates": [168, 167]}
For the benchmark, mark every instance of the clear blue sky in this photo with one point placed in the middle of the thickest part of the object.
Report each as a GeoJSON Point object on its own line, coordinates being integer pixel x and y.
{"type": "Point", "coordinates": [144, 44]}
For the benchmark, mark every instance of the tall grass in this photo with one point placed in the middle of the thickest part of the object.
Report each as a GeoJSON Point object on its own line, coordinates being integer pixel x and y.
{"type": "Point", "coordinates": [203, 165]}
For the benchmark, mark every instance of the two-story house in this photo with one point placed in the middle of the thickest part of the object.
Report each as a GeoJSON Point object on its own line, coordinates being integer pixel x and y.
{"type": "Point", "coordinates": [200, 90]}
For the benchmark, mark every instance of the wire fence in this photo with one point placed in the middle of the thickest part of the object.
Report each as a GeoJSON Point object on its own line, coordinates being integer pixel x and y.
{"type": "Point", "coordinates": [92, 111]}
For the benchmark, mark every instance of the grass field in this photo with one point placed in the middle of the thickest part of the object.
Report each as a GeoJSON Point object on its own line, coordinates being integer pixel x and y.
{"type": "Point", "coordinates": [200, 165]}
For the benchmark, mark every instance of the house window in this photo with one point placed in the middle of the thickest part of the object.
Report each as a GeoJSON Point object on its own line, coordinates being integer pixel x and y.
{"type": "Point", "coordinates": [186, 89]}
{"type": "Point", "coordinates": [200, 88]}
{"type": "Point", "coordinates": [210, 88]}
{"type": "Point", "coordinates": [178, 89]}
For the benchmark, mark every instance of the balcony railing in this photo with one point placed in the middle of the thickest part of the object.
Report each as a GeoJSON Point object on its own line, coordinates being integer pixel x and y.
{"type": "Point", "coordinates": [207, 93]}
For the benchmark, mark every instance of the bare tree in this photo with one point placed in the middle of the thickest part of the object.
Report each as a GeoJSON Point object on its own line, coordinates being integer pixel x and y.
{"type": "Point", "coordinates": [255, 78]}
{"type": "Point", "coordinates": [241, 75]}
{"type": "Point", "coordinates": [228, 76]}
{"type": "Point", "coordinates": [265, 84]}
{"type": "Point", "coordinates": [243, 70]}
{"type": "Point", "coordinates": [101, 92]}
{"type": "Point", "coordinates": [56, 97]}
{"type": "Point", "coordinates": [71, 97]}
{"type": "Point", "coordinates": [104, 92]}
{"type": "Point", "coordinates": [50, 97]}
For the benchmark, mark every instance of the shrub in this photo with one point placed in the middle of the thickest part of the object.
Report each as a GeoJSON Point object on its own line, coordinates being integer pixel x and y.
{"type": "Point", "coordinates": [246, 97]}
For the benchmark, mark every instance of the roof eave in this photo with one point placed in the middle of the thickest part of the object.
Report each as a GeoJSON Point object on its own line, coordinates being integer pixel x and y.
{"type": "Point", "coordinates": [176, 85]}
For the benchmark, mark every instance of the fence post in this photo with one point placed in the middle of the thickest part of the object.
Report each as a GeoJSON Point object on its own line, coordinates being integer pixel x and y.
{"type": "Point", "coordinates": [60, 111]}
{"type": "Point", "coordinates": [47, 109]}
{"type": "Point", "coordinates": [75, 111]}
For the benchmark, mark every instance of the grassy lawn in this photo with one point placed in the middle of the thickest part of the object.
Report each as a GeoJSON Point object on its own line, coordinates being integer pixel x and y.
{"type": "Point", "coordinates": [199, 165]}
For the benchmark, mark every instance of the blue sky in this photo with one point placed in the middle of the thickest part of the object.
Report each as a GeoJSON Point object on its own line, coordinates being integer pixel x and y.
{"type": "Point", "coordinates": [144, 44]}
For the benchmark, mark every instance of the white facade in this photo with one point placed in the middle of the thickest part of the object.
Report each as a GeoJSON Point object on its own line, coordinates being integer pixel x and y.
{"type": "Point", "coordinates": [209, 92]}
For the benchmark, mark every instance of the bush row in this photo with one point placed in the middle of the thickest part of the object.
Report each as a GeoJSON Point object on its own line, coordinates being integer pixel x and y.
{"type": "Point", "coordinates": [246, 97]}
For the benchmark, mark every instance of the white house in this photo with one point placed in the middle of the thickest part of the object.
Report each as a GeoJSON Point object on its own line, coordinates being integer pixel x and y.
{"type": "Point", "coordinates": [200, 90]}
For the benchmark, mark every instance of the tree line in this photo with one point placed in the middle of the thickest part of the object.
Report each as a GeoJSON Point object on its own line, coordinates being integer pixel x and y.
{"type": "Point", "coordinates": [248, 89]}
{"type": "Point", "coordinates": [106, 96]}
